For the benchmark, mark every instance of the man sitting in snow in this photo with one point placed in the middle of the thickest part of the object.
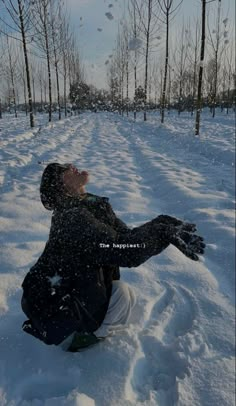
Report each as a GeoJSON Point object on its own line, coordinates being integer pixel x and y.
{"type": "Point", "coordinates": [73, 295]}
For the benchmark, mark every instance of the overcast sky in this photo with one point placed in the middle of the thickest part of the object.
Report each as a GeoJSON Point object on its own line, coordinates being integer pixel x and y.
{"type": "Point", "coordinates": [88, 16]}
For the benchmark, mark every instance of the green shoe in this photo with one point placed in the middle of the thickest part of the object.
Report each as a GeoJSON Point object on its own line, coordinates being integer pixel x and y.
{"type": "Point", "coordinates": [82, 341]}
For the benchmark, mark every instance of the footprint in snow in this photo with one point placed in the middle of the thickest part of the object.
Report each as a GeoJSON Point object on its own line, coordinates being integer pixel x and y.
{"type": "Point", "coordinates": [173, 315]}
{"type": "Point", "coordinates": [159, 371]}
{"type": "Point", "coordinates": [164, 359]}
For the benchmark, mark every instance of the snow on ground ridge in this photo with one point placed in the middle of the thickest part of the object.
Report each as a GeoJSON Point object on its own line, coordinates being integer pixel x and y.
{"type": "Point", "coordinates": [179, 347]}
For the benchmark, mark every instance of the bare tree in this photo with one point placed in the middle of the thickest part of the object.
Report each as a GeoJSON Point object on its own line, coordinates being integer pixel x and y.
{"type": "Point", "coordinates": [193, 57]}
{"type": "Point", "coordinates": [19, 13]}
{"type": "Point", "coordinates": [118, 69]}
{"type": "Point", "coordinates": [75, 65]}
{"type": "Point", "coordinates": [1, 72]}
{"type": "Point", "coordinates": [216, 44]}
{"type": "Point", "coordinates": [12, 71]}
{"type": "Point", "coordinates": [56, 29]}
{"type": "Point", "coordinates": [121, 60]}
{"type": "Point", "coordinates": [200, 75]}
{"type": "Point", "coordinates": [65, 44]}
{"type": "Point", "coordinates": [148, 13]}
{"type": "Point", "coordinates": [123, 40]}
{"type": "Point", "coordinates": [41, 17]}
{"type": "Point", "coordinates": [40, 80]}
{"type": "Point", "coordinates": [169, 12]}
{"type": "Point", "coordinates": [134, 44]}
{"type": "Point", "coordinates": [34, 81]}
{"type": "Point", "coordinates": [121, 70]}
{"type": "Point", "coordinates": [23, 81]}
{"type": "Point", "coordinates": [113, 83]}
{"type": "Point", "coordinates": [180, 59]}
{"type": "Point", "coordinates": [230, 75]}
{"type": "Point", "coordinates": [126, 40]}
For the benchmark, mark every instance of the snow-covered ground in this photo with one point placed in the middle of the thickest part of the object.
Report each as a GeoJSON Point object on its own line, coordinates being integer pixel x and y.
{"type": "Point", "coordinates": [179, 347]}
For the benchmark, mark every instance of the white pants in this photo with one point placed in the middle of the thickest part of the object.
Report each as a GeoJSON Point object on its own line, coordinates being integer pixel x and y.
{"type": "Point", "coordinates": [118, 313]}
{"type": "Point", "coordinates": [119, 310]}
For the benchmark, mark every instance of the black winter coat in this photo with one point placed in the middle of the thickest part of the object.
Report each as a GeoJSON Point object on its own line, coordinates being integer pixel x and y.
{"type": "Point", "coordinates": [69, 287]}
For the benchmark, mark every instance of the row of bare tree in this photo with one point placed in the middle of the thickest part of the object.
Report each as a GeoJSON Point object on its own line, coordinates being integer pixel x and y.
{"type": "Point", "coordinates": [187, 67]}
{"type": "Point", "coordinates": [153, 64]}
{"type": "Point", "coordinates": [38, 52]}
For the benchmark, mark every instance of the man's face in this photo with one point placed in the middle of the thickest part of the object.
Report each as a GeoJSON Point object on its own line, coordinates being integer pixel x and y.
{"type": "Point", "coordinates": [73, 179]}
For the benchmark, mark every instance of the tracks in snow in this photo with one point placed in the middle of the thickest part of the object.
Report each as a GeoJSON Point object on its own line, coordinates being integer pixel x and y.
{"type": "Point", "coordinates": [162, 361]}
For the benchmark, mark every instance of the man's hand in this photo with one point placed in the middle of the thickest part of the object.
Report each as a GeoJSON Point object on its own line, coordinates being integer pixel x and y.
{"type": "Point", "coordinates": [182, 236]}
{"type": "Point", "coordinates": [188, 243]}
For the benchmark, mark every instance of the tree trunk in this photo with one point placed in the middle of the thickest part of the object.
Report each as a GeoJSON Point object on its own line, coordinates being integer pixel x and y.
{"type": "Point", "coordinates": [33, 85]}
{"type": "Point", "coordinates": [222, 103]}
{"type": "Point", "coordinates": [181, 75]}
{"type": "Point", "coordinates": [122, 91]}
{"type": "Point", "coordinates": [135, 63]}
{"type": "Point", "coordinates": [216, 58]}
{"type": "Point", "coordinates": [146, 59]}
{"type": "Point", "coordinates": [64, 81]}
{"type": "Point", "coordinates": [161, 91]}
{"type": "Point", "coordinates": [163, 102]}
{"type": "Point", "coordinates": [127, 81]}
{"type": "Point", "coordinates": [26, 63]}
{"type": "Point", "coordinates": [215, 85]}
{"type": "Point", "coordinates": [12, 77]}
{"type": "Point", "coordinates": [49, 88]}
{"type": "Point", "coordinates": [45, 93]}
{"type": "Point", "coordinates": [58, 91]}
{"type": "Point", "coordinates": [135, 88]}
{"type": "Point", "coordinates": [180, 94]}
{"type": "Point", "coordinates": [13, 93]}
{"type": "Point", "coordinates": [56, 69]}
{"type": "Point", "coordinates": [228, 92]}
{"type": "Point", "coordinates": [65, 102]}
{"type": "Point", "coordinates": [24, 89]}
{"type": "Point", "coordinates": [169, 91]}
{"type": "Point", "coordinates": [149, 91]}
{"type": "Point", "coordinates": [199, 95]}
{"type": "Point", "coordinates": [41, 94]}
{"type": "Point", "coordinates": [45, 28]}
{"type": "Point", "coordinates": [194, 80]}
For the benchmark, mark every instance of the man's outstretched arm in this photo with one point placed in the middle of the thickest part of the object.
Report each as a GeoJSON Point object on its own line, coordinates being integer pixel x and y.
{"type": "Point", "coordinates": [104, 245]}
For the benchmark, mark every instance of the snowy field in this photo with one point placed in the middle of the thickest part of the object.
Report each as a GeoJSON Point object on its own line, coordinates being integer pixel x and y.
{"type": "Point", "coordinates": [179, 347]}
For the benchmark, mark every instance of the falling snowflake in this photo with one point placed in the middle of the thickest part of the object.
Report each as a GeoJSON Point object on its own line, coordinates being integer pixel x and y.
{"type": "Point", "coordinates": [109, 16]}
{"type": "Point", "coordinates": [110, 5]}
{"type": "Point", "coordinates": [107, 62]}
{"type": "Point", "coordinates": [99, 29]}
{"type": "Point", "coordinates": [225, 21]}
{"type": "Point", "coordinates": [55, 280]}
